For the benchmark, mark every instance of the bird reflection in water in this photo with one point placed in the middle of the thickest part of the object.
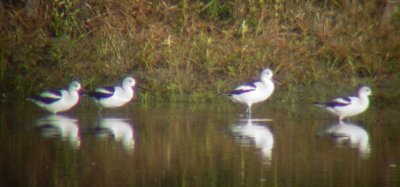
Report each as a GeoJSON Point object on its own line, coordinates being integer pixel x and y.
{"type": "Point", "coordinates": [251, 131]}
{"type": "Point", "coordinates": [352, 134]}
{"type": "Point", "coordinates": [66, 128]}
{"type": "Point", "coordinates": [119, 130]}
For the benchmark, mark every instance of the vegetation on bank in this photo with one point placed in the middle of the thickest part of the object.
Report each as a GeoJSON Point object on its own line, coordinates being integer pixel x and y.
{"type": "Point", "coordinates": [191, 50]}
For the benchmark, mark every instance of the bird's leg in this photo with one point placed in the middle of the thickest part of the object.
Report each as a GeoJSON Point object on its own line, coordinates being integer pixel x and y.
{"type": "Point", "coordinates": [99, 111]}
{"type": "Point", "coordinates": [248, 112]}
{"type": "Point", "coordinates": [346, 120]}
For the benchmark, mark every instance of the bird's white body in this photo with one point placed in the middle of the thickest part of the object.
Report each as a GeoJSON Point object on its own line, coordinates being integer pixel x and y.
{"type": "Point", "coordinates": [349, 106]}
{"type": "Point", "coordinates": [261, 92]}
{"type": "Point", "coordinates": [254, 92]}
{"type": "Point", "coordinates": [58, 100]}
{"type": "Point", "coordinates": [120, 97]}
{"type": "Point", "coordinates": [117, 96]}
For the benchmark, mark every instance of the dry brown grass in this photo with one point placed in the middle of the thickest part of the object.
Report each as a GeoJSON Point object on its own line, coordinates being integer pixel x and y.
{"type": "Point", "coordinates": [199, 48]}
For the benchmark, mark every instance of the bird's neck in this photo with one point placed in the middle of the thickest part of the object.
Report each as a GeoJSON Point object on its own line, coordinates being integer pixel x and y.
{"type": "Point", "coordinates": [72, 95]}
{"type": "Point", "coordinates": [265, 79]}
{"type": "Point", "coordinates": [364, 98]}
{"type": "Point", "coordinates": [72, 92]}
{"type": "Point", "coordinates": [127, 89]}
{"type": "Point", "coordinates": [268, 82]}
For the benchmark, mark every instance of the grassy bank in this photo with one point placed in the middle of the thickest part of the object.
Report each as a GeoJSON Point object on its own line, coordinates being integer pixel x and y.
{"type": "Point", "coordinates": [181, 50]}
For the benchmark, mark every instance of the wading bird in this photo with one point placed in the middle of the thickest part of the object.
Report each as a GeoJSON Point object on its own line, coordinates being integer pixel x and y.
{"type": "Point", "coordinates": [253, 92]}
{"type": "Point", "coordinates": [114, 96]}
{"type": "Point", "coordinates": [56, 101]}
{"type": "Point", "coordinates": [348, 106]}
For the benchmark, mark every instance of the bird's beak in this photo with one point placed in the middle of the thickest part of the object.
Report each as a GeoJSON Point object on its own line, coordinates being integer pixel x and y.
{"type": "Point", "coordinates": [277, 82]}
{"type": "Point", "coordinates": [82, 92]}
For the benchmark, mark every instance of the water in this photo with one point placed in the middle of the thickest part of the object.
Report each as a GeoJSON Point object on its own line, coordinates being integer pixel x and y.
{"type": "Point", "coordinates": [197, 145]}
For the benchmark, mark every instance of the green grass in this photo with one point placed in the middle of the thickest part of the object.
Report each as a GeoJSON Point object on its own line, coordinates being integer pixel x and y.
{"type": "Point", "coordinates": [182, 50]}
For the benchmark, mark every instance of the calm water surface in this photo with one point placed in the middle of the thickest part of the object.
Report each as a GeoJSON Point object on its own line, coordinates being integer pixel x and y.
{"type": "Point", "coordinates": [197, 145]}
